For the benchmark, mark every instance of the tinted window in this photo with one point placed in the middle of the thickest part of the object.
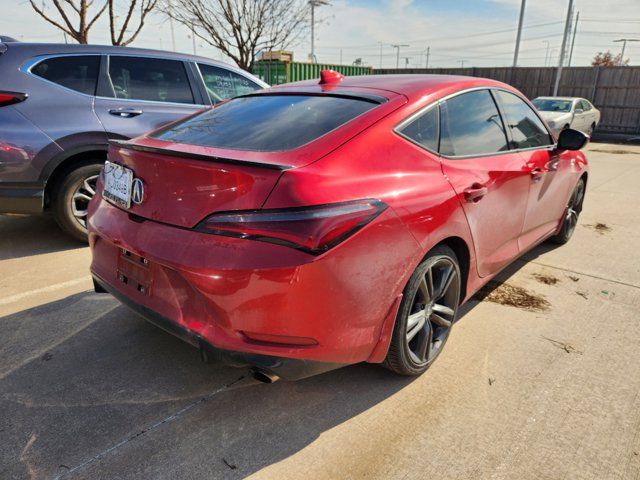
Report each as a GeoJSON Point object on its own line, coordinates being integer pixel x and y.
{"type": "Point", "coordinates": [79, 73]}
{"type": "Point", "coordinates": [424, 129]}
{"type": "Point", "coordinates": [222, 84]}
{"type": "Point", "coordinates": [266, 122]}
{"type": "Point", "coordinates": [584, 105]}
{"type": "Point", "coordinates": [527, 130]}
{"type": "Point", "coordinates": [149, 79]}
{"type": "Point", "coordinates": [471, 125]}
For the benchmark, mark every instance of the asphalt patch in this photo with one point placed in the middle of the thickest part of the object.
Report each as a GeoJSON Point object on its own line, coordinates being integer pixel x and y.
{"type": "Point", "coordinates": [512, 296]}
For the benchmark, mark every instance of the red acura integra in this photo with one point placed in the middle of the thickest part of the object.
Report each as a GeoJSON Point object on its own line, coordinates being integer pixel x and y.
{"type": "Point", "coordinates": [319, 224]}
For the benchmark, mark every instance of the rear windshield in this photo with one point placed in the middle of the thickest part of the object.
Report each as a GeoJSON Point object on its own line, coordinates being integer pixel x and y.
{"type": "Point", "coordinates": [552, 105]}
{"type": "Point", "coordinates": [266, 123]}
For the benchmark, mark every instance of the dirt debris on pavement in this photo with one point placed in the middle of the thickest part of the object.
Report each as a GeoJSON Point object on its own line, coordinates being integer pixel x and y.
{"type": "Point", "coordinates": [512, 296]}
{"type": "Point", "coordinates": [567, 347]}
{"type": "Point", "coordinates": [546, 279]}
{"type": "Point", "coordinates": [573, 278]}
{"type": "Point", "coordinates": [583, 295]}
{"type": "Point", "coordinates": [599, 227]}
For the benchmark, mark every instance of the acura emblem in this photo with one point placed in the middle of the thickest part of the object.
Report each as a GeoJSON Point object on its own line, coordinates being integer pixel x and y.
{"type": "Point", "coordinates": [137, 193]}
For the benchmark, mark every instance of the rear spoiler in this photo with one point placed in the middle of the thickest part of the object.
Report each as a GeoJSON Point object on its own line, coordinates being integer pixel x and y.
{"type": "Point", "coordinates": [176, 153]}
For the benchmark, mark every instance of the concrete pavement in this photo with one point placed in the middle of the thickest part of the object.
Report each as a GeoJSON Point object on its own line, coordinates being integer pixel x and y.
{"type": "Point", "coordinates": [89, 390]}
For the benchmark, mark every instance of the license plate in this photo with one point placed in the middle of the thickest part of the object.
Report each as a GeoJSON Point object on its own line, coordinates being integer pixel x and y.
{"type": "Point", "coordinates": [117, 184]}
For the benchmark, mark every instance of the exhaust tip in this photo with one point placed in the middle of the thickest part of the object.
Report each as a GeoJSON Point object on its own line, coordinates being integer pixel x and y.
{"type": "Point", "coordinates": [263, 375]}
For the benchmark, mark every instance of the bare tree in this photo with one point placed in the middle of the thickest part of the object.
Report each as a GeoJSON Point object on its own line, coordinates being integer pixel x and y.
{"type": "Point", "coordinates": [607, 59]}
{"type": "Point", "coordinates": [144, 8]}
{"type": "Point", "coordinates": [242, 28]}
{"type": "Point", "coordinates": [67, 9]}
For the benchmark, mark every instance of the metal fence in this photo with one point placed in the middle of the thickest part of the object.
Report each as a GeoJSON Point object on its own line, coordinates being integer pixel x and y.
{"type": "Point", "coordinates": [615, 91]}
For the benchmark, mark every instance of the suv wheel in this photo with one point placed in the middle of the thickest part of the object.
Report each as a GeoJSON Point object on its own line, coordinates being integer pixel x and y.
{"type": "Point", "coordinates": [71, 198]}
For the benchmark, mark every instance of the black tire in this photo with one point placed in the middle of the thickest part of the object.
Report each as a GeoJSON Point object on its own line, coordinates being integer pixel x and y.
{"type": "Point", "coordinates": [571, 214]}
{"type": "Point", "coordinates": [406, 355]}
{"type": "Point", "coordinates": [592, 128]}
{"type": "Point", "coordinates": [70, 197]}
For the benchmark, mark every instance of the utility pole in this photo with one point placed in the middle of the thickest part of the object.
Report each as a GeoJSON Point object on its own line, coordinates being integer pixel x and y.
{"type": "Point", "coordinates": [380, 43]}
{"type": "Point", "coordinates": [461, 62]}
{"type": "Point", "coordinates": [573, 40]}
{"type": "Point", "coordinates": [193, 37]}
{"type": "Point", "coordinates": [313, 4]}
{"type": "Point", "coordinates": [567, 27]}
{"type": "Point", "coordinates": [340, 56]}
{"type": "Point", "coordinates": [517, 50]}
{"type": "Point", "coordinates": [173, 34]}
{"type": "Point", "coordinates": [428, 53]}
{"type": "Point", "coordinates": [406, 61]}
{"type": "Point", "coordinates": [624, 46]}
{"type": "Point", "coordinates": [397, 47]}
{"type": "Point", "coordinates": [546, 56]}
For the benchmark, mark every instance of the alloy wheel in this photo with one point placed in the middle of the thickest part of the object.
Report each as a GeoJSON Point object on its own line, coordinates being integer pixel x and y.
{"type": "Point", "coordinates": [81, 197]}
{"type": "Point", "coordinates": [433, 311]}
{"type": "Point", "coordinates": [574, 208]}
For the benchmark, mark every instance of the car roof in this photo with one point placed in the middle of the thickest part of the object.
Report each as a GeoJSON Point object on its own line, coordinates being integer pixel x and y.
{"type": "Point", "coordinates": [412, 86]}
{"type": "Point", "coordinates": [36, 49]}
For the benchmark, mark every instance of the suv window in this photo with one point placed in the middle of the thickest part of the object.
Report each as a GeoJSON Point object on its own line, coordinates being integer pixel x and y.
{"type": "Point", "coordinates": [222, 84]}
{"type": "Point", "coordinates": [153, 79]}
{"type": "Point", "coordinates": [77, 72]}
{"type": "Point", "coordinates": [266, 123]}
{"type": "Point", "coordinates": [424, 129]}
{"type": "Point", "coordinates": [527, 130]}
{"type": "Point", "coordinates": [471, 125]}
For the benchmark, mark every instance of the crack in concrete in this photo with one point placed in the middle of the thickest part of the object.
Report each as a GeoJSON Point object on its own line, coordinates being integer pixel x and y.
{"type": "Point", "coordinates": [581, 273]}
{"type": "Point", "coordinates": [156, 425]}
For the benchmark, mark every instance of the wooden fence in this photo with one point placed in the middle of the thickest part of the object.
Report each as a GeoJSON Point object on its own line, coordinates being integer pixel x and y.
{"type": "Point", "coordinates": [615, 91]}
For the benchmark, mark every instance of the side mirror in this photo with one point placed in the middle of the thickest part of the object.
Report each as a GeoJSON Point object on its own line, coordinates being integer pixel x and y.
{"type": "Point", "coordinates": [578, 110]}
{"type": "Point", "coordinates": [570, 139]}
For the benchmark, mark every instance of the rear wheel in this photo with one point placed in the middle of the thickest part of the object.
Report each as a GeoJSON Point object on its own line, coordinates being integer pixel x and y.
{"type": "Point", "coordinates": [572, 212]}
{"type": "Point", "coordinates": [591, 129]}
{"type": "Point", "coordinates": [427, 312]}
{"type": "Point", "coordinates": [70, 199]}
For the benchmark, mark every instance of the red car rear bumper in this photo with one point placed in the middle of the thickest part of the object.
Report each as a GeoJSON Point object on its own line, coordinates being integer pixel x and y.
{"type": "Point", "coordinates": [266, 301]}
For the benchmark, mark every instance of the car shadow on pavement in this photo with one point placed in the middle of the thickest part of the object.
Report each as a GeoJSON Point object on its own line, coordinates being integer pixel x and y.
{"type": "Point", "coordinates": [88, 389]}
{"type": "Point", "coordinates": [23, 236]}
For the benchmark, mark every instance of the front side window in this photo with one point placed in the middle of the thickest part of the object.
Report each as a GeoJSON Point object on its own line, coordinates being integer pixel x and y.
{"type": "Point", "coordinates": [527, 130]}
{"type": "Point", "coordinates": [222, 84]}
{"type": "Point", "coordinates": [424, 130]}
{"type": "Point", "coordinates": [471, 125]}
{"type": "Point", "coordinates": [584, 105]}
{"type": "Point", "coordinates": [266, 123]}
{"type": "Point", "coordinates": [153, 79]}
{"type": "Point", "coordinates": [77, 72]}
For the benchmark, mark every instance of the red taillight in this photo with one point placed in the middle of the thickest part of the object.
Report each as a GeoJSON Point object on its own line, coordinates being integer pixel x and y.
{"type": "Point", "coordinates": [312, 229]}
{"type": "Point", "coordinates": [9, 98]}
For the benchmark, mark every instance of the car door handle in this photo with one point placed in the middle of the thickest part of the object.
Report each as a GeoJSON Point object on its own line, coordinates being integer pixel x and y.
{"type": "Point", "coordinates": [125, 112]}
{"type": "Point", "coordinates": [537, 174]}
{"type": "Point", "coordinates": [475, 193]}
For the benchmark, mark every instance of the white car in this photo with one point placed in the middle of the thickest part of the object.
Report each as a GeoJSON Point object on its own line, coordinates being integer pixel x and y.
{"type": "Point", "coordinates": [568, 112]}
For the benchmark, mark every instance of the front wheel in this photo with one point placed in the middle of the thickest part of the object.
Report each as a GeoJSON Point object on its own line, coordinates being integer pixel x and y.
{"type": "Point", "coordinates": [427, 312]}
{"type": "Point", "coordinates": [71, 198]}
{"type": "Point", "coordinates": [572, 212]}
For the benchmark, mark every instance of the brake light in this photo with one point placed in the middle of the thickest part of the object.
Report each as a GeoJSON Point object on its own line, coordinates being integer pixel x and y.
{"type": "Point", "coordinates": [9, 98]}
{"type": "Point", "coordinates": [313, 229]}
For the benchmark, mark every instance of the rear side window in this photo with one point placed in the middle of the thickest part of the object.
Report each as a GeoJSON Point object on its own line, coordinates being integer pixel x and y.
{"type": "Point", "coordinates": [527, 130]}
{"type": "Point", "coordinates": [152, 79]}
{"type": "Point", "coordinates": [222, 84]}
{"type": "Point", "coordinates": [471, 125]}
{"type": "Point", "coordinates": [424, 130]}
{"type": "Point", "coordinates": [77, 72]}
{"type": "Point", "coordinates": [266, 123]}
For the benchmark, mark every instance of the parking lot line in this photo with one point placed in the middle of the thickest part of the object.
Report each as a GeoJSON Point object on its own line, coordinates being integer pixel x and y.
{"type": "Point", "coordinates": [51, 288]}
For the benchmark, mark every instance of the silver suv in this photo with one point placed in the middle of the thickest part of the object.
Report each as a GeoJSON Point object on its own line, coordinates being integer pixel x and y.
{"type": "Point", "coordinates": [61, 104]}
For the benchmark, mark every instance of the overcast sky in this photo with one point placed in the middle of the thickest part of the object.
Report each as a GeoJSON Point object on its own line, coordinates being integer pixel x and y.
{"type": "Point", "coordinates": [478, 32]}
